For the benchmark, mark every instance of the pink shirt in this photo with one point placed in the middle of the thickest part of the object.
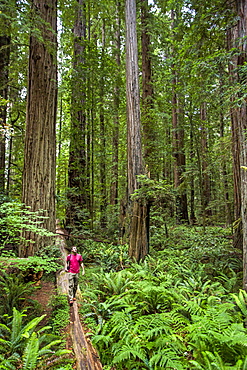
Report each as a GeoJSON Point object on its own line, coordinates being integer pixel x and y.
{"type": "Point", "coordinates": [75, 263]}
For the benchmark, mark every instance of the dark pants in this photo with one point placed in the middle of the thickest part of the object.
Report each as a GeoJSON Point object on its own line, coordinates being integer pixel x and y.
{"type": "Point", "coordinates": [73, 284]}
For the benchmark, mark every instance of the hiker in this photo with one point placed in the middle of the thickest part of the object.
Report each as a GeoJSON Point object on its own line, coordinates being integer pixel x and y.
{"type": "Point", "coordinates": [73, 264]}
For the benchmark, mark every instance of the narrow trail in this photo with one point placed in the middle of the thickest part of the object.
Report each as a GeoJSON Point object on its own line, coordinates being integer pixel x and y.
{"type": "Point", "coordinates": [86, 356]}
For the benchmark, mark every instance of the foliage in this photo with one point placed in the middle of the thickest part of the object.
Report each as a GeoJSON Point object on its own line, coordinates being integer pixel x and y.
{"type": "Point", "coordinates": [172, 310]}
{"type": "Point", "coordinates": [14, 293]}
{"type": "Point", "coordinates": [60, 316]}
{"type": "Point", "coordinates": [37, 263]}
{"type": "Point", "coordinates": [110, 257]}
{"type": "Point", "coordinates": [154, 191]}
{"type": "Point", "coordinates": [28, 347]}
{"type": "Point", "coordinates": [16, 217]}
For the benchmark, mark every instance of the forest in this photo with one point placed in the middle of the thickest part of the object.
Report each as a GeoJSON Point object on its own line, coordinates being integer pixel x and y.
{"type": "Point", "coordinates": [124, 122]}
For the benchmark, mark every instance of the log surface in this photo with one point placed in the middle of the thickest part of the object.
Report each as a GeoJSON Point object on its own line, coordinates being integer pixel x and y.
{"type": "Point", "coordinates": [86, 355]}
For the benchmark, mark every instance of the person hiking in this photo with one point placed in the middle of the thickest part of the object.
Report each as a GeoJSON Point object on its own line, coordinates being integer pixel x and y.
{"type": "Point", "coordinates": [73, 264]}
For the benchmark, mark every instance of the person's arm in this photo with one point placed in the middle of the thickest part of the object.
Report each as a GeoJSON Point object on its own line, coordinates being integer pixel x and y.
{"type": "Point", "coordinates": [82, 269]}
{"type": "Point", "coordinates": [67, 265]}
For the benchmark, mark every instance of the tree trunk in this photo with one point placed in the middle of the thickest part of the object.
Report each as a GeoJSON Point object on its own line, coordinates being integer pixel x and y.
{"type": "Point", "coordinates": [149, 136]}
{"type": "Point", "coordinates": [178, 148]}
{"type": "Point", "coordinates": [205, 190]}
{"type": "Point", "coordinates": [40, 142]}
{"type": "Point", "coordinates": [77, 189]}
{"type": "Point", "coordinates": [116, 102]}
{"type": "Point", "coordinates": [4, 66]}
{"type": "Point", "coordinates": [237, 39]}
{"type": "Point", "coordinates": [103, 200]}
{"type": "Point", "coordinates": [242, 125]}
{"type": "Point", "coordinates": [232, 36]}
{"type": "Point", "coordinates": [138, 240]}
{"type": "Point", "coordinates": [228, 208]}
{"type": "Point", "coordinates": [192, 182]}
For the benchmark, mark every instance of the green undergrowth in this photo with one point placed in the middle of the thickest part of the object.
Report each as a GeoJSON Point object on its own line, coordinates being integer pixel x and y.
{"type": "Point", "coordinates": [60, 314]}
{"type": "Point", "coordinates": [26, 341]}
{"type": "Point", "coordinates": [181, 308]}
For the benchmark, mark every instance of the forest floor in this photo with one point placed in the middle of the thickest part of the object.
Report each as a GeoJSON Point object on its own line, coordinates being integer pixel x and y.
{"type": "Point", "coordinates": [43, 296]}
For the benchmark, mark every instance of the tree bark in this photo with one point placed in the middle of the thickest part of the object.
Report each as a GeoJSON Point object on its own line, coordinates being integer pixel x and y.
{"type": "Point", "coordinates": [232, 36]}
{"type": "Point", "coordinates": [178, 148]}
{"type": "Point", "coordinates": [138, 209]}
{"type": "Point", "coordinates": [103, 201]}
{"type": "Point", "coordinates": [228, 205]}
{"type": "Point", "coordinates": [77, 171]}
{"type": "Point", "coordinates": [149, 136]}
{"type": "Point", "coordinates": [116, 102]}
{"type": "Point", "coordinates": [205, 190]}
{"type": "Point", "coordinates": [38, 191]}
{"type": "Point", "coordinates": [192, 182]}
{"type": "Point", "coordinates": [4, 73]}
{"type": "Point", "coordinates": [237, 39]}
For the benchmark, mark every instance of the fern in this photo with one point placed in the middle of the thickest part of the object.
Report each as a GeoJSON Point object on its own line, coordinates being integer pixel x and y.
{"type": "Point", "coordinates": [30, 354]}
{"type": "Point", "coordinates": [13, 293]}
{"type": "Point", "coordinates": [27, 343]}
{"type": "Point", "coordinates": [127, 351]}
{"type": "Point", "coordinates": [241, 301]}
{"type": "Point", "coordinates": [167, 358]}
{"type": "Point", "coordinates": [7, 364]}
{"type": "Point", "coordinates": [154, 325]}
{"type": "Point", "coordinates": [112, 283]}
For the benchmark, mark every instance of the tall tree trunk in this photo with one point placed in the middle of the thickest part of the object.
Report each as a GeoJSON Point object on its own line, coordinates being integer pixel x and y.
{"type": "Point", "coordinates": [239, 119]}
{"type": "Point", "coordinates": [139, 210]}
{"type": "Point", "coordinates": [228, 208]}
{"type": "Point", "coordinates": [103, 200]}
{"type": "Point", "coordinates": [4, 73]}
{"type": "Point", "coordinates": [205, 190]}
{"type": "Point", "coordinates": [116, 102]}
{"type": "Point", "coordinates": [192, 182]}
{"type": "Point", "coordinates": [38, 190]}
{"type": "Point", "coordinates": [179, 165]}
{"type": "Point", "coordinates": [149, 136]}
{"type": "Point", "coordinates": [232, 37]}
{"type": "Point", "coordinates": [77, 189]}
{"type": "Point", "coordinates": [178, 148]}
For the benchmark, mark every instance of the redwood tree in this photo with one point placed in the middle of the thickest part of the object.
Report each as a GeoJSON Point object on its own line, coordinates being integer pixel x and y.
{"type": "Point", "coordinates": [5, 38]}
{"type": "Point", "coordinates": [237, 38]}
{"type": "Point", "coordinates": [138, 209]}
{"type": "Point", "coordinates": [77, 174]}
{"type": "Point", "coordinates": [149, 130]}
{"type": "Point", "coordinates": [38, 190]}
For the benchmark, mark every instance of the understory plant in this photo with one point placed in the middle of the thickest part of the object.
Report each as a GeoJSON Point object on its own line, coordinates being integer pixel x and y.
{"type": "Point", "coordinates": [14, 292]}
{"type": "Point", "coordinates": [28, 347]}
{"type": "Point", "coordinates": [60, 315]}
{"type": "Point", "coordinates": [178, 309]}
{"type": "Point", "coordinates": [15, 217]}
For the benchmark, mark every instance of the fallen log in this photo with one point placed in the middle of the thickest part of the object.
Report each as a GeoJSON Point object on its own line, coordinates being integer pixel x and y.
{"type": "Point", "coordinates": [85, 354]}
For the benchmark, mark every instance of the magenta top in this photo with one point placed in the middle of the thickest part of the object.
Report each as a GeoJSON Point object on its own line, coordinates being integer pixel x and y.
{"type": "Point", "coordinates": [75, 263]}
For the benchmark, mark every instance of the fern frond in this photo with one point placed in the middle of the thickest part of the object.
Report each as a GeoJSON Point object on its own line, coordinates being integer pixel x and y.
{"type": "Point", "coordinates": [6, 364]}
{"type": "Point", "coordinates": [106, 339]}
{"type": "Point", "coordinates": [16, 325]}
{"type": "Point", "coordinates": [127, 351]}
{"type": "Point", "coordinates": [30, 354]}
{"type": "Point", "coordinates": [47, 349]}
{"type": "Point", "coordinates": [31, 325]}
{"type": "Point", "coordinates": [167, 358]}
{"type": "Point", "coordinates": [196, 365]}
{"type": "Point", "coordinates": [154, 325]}
{"type": "Point", "coordinates": [241, 301]}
